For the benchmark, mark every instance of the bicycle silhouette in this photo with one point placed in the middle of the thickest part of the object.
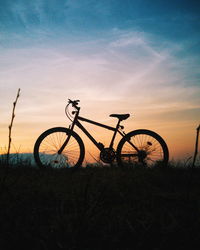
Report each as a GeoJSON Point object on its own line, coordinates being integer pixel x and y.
{"type": "Point", "coordinates": [63, 147]}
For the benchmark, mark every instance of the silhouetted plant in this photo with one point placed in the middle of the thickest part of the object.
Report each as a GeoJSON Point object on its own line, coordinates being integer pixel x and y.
{"type": "Point", "coordinates": [11, 125]}
{"type": "Point", "coordinates": [196, 146]}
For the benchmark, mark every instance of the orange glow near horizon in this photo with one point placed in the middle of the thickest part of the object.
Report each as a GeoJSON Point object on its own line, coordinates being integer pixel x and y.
{"type": "Point", "coordinates": [180, 137]}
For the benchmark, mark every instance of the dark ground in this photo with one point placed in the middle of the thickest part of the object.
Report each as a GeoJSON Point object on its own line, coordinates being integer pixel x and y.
{"type": "Point", "coordinates": [99, 208]}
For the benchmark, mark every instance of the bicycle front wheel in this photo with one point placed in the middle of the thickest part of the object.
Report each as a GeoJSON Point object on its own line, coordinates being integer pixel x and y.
{"type": "Point", "coordinates": [143, 147]}
{"type": "Point", "coordinates": [48, 144]}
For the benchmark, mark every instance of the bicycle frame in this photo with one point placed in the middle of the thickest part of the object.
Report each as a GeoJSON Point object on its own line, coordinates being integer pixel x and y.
{"type": "Point", "coordinates": [99, 145]}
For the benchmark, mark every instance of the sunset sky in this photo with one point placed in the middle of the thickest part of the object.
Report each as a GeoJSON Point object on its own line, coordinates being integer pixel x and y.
{"type": "Point", "coordinates": [117, 56]}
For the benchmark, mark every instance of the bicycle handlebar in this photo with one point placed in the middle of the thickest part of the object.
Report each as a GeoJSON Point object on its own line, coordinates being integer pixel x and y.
{"type": "Point", "coordinates": [74, 103]}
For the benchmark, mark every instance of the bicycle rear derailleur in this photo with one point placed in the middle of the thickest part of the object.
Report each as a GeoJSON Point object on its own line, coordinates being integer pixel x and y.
{"type": "Point", "coordinates": [107, 155]}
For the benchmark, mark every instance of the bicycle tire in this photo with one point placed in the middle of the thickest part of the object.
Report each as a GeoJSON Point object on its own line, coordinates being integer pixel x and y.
{"type": "Point", "coordinates": [49, 142]}
{"type": "Point", "coordinates": [152, 149]}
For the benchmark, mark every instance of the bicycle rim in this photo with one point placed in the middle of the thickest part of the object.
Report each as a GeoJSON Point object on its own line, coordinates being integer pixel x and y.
{"type": "Point", "coordinates": [49, 143]}
{"type": "Point", "coordinates": [152, 149]}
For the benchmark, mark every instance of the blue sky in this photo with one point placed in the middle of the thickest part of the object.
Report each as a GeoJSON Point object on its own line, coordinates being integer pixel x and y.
{"type": "Point", "coordinates": [168, 19]}
{"type": "Point", "coordinates": [136, 56]}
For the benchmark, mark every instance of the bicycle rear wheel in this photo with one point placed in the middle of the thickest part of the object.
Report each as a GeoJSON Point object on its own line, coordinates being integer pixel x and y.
{"type": "Point", "coordinates": [48, 144]}
{"type": "Point", "coordinates": [151, 149]}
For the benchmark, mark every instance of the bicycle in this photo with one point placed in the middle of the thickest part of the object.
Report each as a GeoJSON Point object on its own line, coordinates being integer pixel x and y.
{"type": "Point", "coordinates": [63, 147]}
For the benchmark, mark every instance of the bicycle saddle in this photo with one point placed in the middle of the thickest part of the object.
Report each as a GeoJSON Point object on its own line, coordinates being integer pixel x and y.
{"type": "Point", "coordinates": [120, 117]}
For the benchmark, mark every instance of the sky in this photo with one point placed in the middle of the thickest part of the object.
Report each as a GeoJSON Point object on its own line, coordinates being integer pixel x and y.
{"type": "Point", "coordinates": [117, 56]}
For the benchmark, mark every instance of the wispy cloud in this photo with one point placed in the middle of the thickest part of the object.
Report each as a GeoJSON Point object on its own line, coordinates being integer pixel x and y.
{"type": "Point", "coordinates": [126, 66]}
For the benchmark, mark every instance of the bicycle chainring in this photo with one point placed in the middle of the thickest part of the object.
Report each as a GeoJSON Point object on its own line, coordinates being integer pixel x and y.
{"type": "Point", "coordinates": [107, 155]}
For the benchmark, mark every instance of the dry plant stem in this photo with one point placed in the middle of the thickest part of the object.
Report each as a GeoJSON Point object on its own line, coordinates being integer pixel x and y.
{"type": "Point", "coordinates": [11, 125]}
{"type": "Point", "coordinates": [196, 147]}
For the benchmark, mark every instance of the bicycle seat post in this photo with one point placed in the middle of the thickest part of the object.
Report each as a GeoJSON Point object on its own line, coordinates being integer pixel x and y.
{"type": "Point", "coordinates": [114, 135]}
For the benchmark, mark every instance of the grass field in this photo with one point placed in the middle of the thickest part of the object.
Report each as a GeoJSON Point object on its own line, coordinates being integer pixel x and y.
{"type": "Point", "coordinates": [97, 208]}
